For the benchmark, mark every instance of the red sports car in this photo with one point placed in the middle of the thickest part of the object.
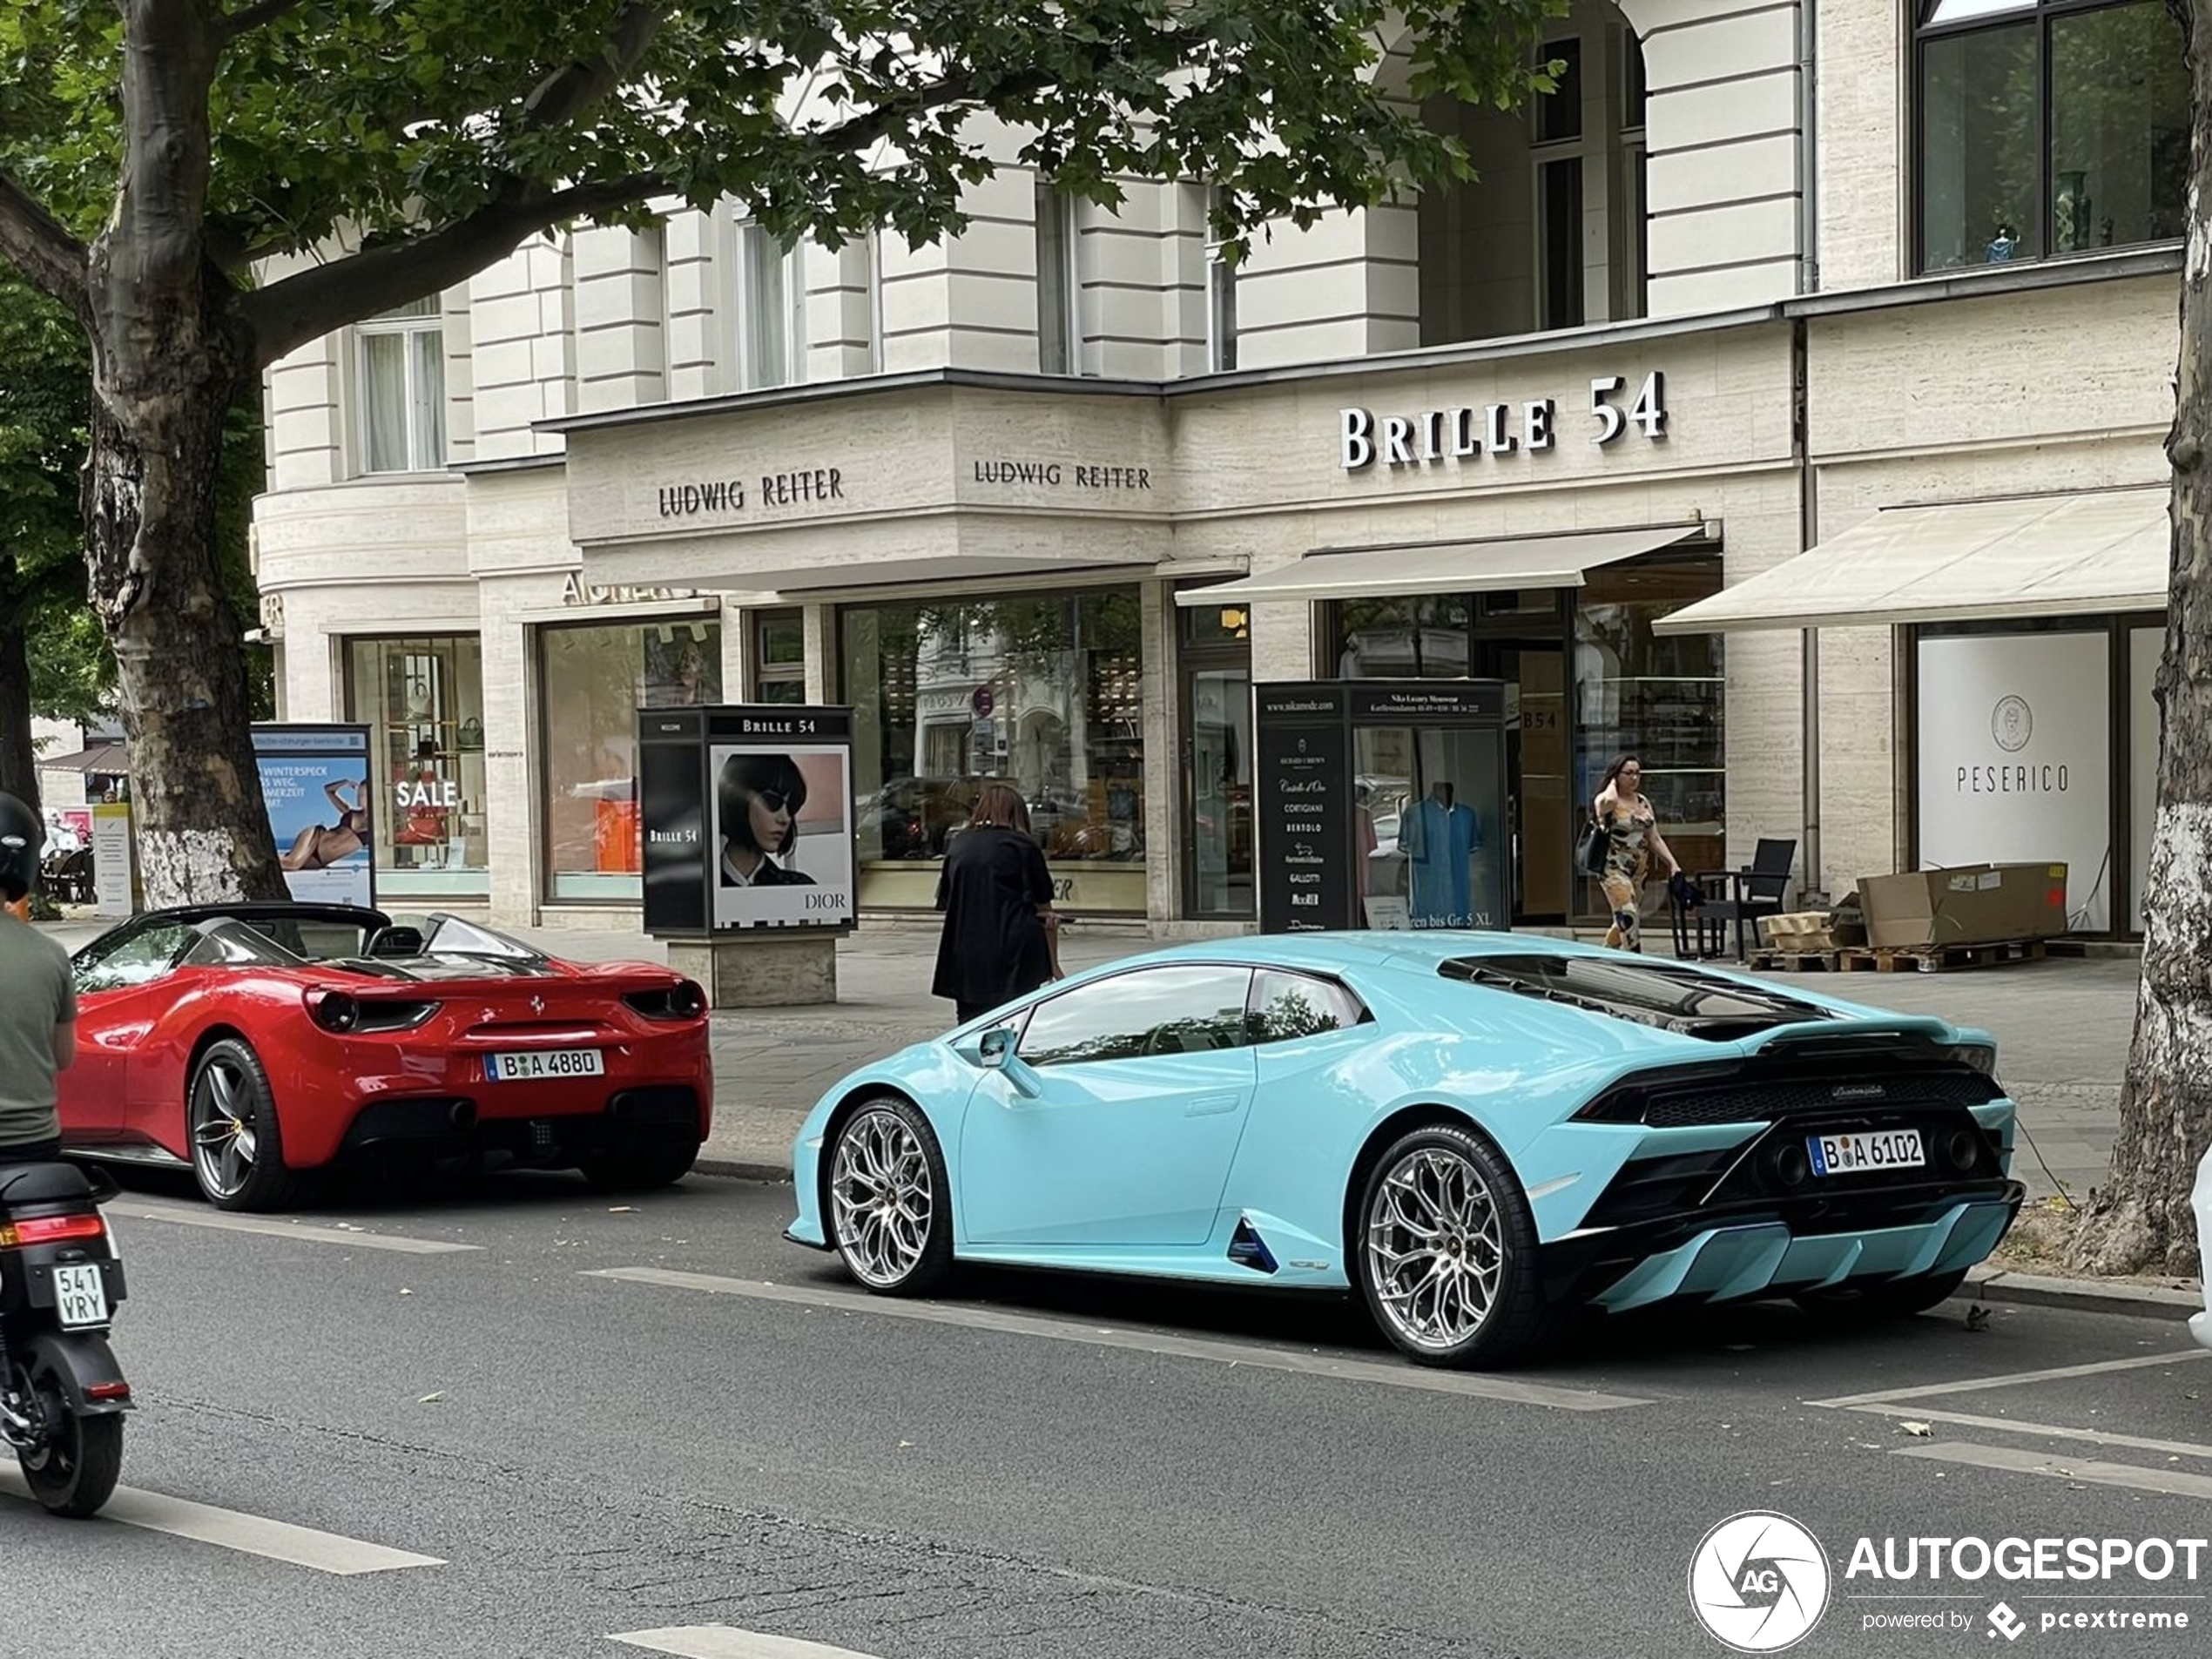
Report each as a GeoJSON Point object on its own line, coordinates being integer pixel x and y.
{"type": "Point", "coordinates": [260, 1043]}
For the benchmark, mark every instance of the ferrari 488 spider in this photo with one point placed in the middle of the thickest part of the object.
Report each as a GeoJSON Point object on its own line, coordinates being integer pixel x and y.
{"type": "Point", "coordinates": [1477, 1131]}
{"type": "Point", "coordinates": [260, 1043]}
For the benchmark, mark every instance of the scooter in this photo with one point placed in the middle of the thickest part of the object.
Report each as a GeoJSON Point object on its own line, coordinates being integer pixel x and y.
{"type": "Point", "coordinates": [61, 1394]}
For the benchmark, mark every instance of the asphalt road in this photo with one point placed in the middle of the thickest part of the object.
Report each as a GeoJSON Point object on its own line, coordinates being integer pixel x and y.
{"type": "Point", "coordinates": [582, 1422]}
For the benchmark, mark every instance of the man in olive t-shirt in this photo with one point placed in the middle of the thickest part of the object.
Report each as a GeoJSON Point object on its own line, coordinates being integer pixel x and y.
{"type": "Point", "coordinates": [37, 1038]}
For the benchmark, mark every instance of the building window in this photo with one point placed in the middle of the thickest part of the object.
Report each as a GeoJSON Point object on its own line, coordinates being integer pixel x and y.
{"type": "Point", "coordinates": [1221, 298]}
{"type": "Point", "coordinates": [2048, 130]}
{"type": "Point", "coordinates": [771, 310]}
{"type": "Point", "coordinates": [1057, 331]}
{"type": "Point", "coordinates": [779, 656]}
{"type": "Point", "coordinates": [422, 700]}
{"type": "Point", "coordinates": [593, 681]}
{"type": "Point", "coordinates": [1044, 692]}
{"type": "Point", "coordinates": [403, 389]}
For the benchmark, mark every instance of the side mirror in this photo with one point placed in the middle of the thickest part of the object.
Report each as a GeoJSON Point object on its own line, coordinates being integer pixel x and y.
{"type": "Point", "coordinates": [996, 1053]}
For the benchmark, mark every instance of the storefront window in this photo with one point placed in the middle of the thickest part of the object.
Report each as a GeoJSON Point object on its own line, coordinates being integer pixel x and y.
{"type": "Point", "coordinates": [778, 658]}
{"type": "Point", "coordinates": [1422, 638]}
{"type": "Point", "coordinates": [422, 700]}
{"type": "Point", "coordinates": [1657, 698]}
{"type": "Point", "coordinates": [1044, 692]}
{"type": "Point", "coordinates": [595, 680]}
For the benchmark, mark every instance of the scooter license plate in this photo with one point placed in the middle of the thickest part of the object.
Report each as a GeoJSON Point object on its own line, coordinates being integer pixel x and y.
{"type": "Point", "coordinates": [80, 1297]}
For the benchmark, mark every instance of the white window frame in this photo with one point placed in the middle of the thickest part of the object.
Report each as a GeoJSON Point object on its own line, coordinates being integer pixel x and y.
{"type": "Point", "coordinates": [757, 364]}
{"type": "Point", "coordinates": [1055, 206]}
{"type": "Point", "coordinates": [1221, 299]}
{"type": "Point", "coordinates": [426, 450]}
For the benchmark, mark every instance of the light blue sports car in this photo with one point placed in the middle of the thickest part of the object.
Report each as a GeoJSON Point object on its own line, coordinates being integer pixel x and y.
{"type": "Point", "coordinates": [1480, 1131]}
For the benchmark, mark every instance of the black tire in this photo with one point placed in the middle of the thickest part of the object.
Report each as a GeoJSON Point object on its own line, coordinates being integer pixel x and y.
{"type": "Point", "coordinates": [1896, 1298]}
{"type": "Point", "coordinates": [230, 1083]}
{"type": "Point", "coordinates": [1518, 1323]}
{"type": "Point", "coordinates": [925, 1257]}
{"type": "Point", "coordinates": [642, 1165]}
{"type": "Point", "coordinates": [77, 1471]}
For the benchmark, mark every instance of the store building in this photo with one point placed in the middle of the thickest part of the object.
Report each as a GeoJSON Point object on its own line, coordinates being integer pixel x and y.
{"type": "Point", "coordinates": [1042, 502]}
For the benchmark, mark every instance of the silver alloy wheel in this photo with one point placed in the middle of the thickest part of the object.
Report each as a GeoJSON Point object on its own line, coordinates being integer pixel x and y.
{"type": "Point", "coordinates": [224, 1140]}
{"type": "Point", "coordinates": [1436, 1249]}
{"type": "Point", "coordinates": [880, 1198]}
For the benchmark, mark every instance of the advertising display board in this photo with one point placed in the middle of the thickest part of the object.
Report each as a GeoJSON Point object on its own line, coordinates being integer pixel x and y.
{"type": "Point", "coordinates": [315, 783]}
{"type": "Point", "coordinates": [1380, 803]}
{"type": "Point", "coordinates": [115, 883]}
{"type": "Point", "coordinates": [747, 818]}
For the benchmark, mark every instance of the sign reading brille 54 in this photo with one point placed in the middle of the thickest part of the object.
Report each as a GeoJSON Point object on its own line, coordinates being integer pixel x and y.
{"type": "Point", "coordinates": [1461, 434]}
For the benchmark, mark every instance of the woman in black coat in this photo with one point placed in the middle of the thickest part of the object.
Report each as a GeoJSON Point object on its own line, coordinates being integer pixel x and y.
{"type": "Point", "coordinates": [1002, 939]}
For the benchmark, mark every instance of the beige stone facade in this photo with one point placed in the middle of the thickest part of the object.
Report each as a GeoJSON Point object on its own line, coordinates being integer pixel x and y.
{"type": "Point", "coordinates": [688, 427]}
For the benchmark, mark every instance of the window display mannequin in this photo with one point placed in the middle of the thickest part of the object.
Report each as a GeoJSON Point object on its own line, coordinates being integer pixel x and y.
{"type": "Point", "coordinates": [1439, 836]}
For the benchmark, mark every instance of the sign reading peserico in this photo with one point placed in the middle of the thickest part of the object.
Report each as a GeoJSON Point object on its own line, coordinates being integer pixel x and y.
{"type": "Point", "coordinates": [1432, 436]}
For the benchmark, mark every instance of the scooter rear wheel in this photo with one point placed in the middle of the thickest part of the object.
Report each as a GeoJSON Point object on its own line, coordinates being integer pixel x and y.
{"type": "Point", "coordinates": [77, 1469]}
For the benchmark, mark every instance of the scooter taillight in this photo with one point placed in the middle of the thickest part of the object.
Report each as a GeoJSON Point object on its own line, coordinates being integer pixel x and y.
{"type": "Point", "coordinates": [49, 1230]}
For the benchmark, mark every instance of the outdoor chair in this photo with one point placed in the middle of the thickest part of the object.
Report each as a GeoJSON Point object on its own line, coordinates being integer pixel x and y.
{"type": "Point", "coordinates": [1744, 895]}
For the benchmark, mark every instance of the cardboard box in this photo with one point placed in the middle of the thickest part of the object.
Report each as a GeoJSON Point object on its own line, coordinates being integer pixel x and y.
{"type": "Point", "coordinates": [1976, 904]}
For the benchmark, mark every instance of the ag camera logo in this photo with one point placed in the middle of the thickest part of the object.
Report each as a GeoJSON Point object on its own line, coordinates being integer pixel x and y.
{"type": "Point", "coordinates": [1759, 1583]}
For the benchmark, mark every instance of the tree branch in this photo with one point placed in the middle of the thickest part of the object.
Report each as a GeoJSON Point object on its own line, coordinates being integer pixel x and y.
{"type": "Point", "coordinates": [248, 18]}
{"type": "Point", "coordinates": [567, 93]}
{"type": "Point", "coordinates": [287, 314]}
{"type": "Point", "coordinates": [34, 241]}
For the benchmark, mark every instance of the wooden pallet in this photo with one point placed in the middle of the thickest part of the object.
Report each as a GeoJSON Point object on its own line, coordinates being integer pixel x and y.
{"type": "Point", "coordinates": [1936, 958]}
{"type": "Point", "coordinates": [1791, 961]}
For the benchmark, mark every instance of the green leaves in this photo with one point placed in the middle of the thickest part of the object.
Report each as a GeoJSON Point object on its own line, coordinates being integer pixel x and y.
{"type": "Point", "coordinates": [389, 121]}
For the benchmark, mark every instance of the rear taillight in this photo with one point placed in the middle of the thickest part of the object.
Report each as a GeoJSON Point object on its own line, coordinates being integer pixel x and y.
{"type": "Point", "coordinates": [342, 1012]}
{"type": "Point", "coordinates": [682, 1000]}
{"type": "Point", "coordinates": [115, 1390]}
{"type": "Point", "coordinates": [49, 1230]}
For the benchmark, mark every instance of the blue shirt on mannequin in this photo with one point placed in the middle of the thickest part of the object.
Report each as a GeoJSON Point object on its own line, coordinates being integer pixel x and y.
{"type": "Point", "coordinates": [1439, 836]}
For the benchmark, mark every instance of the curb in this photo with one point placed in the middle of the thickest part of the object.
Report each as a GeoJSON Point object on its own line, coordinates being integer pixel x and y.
{"type": "Point", "coordinates": [2085, 1296]}
{"type": "Point", "coordinates": [743, 1169]}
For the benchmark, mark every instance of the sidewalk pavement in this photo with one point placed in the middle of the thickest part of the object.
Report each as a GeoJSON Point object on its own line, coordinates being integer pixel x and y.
{"type": "Point", "coordinates": [2063, 1028]}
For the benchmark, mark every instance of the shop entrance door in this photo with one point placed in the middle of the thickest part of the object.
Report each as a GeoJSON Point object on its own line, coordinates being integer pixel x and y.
{"type": "Point", "coordinates": [1539, 803]}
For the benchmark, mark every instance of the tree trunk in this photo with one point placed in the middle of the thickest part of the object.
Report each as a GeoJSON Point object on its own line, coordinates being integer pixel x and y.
{"type": "Point", "coordinates": [18, 754]}
{"type": "Point", "coordinates": [199, 821]}
{"type": "Point", "coordinates": [2141, 1221]}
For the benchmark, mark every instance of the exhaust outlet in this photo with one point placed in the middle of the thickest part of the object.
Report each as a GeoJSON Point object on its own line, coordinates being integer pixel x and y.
{"type": "Point", "coordinates": [463, 1114]}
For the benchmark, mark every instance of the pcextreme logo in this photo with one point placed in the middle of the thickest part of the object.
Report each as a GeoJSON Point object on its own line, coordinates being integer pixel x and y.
{"type": "Point", "coordinates": [1759, 1581]}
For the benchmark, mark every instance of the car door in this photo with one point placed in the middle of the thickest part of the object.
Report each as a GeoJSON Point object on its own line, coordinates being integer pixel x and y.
{"type": "Point", "coordinates": [123, 987]}
{"type": "Point", "coordinates": [1143, 1084]}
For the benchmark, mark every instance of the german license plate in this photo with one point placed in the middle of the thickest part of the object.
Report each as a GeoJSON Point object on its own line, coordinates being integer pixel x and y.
{"type": "Point", "coordinates": [1858, 1154]}
{"type": "Point", "coordinates": [80, 1297]}
{"type": "Point", "coordinates": [536, 1064]}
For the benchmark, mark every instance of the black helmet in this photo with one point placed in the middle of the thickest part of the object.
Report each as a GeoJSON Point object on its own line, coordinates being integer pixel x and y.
{"type": "Point", "coordinates": [21, 835]}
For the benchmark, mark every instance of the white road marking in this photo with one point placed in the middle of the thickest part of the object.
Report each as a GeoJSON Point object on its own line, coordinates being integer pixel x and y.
{"type": "Point", "coordinates": [2044, 1431]}
{"type": "Point", "coordinates": [1391, 1374]}
{"type": "Point", "coordinates": [727, 1642]}
{"type": "Point", "coordinates": [186, 1216]}
{"type": "Point", "coordinates": [2019, 1378]}
{"type": "Point", "coordinates": [2172, 1482]}
{"type": "Point", "coordinates": [278, 1541]}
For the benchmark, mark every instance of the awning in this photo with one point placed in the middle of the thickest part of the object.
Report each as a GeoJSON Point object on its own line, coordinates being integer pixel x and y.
{"type": "Point", "coordinates": [111, 759]}
{"type": "Point", "coordinates": [1444, 567]}
{"type": "Point", "coordinates": [2040, 556]}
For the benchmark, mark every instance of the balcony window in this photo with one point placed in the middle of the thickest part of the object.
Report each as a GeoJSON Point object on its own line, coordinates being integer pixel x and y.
{"type": "Point", "coordinates": [2048, 130]}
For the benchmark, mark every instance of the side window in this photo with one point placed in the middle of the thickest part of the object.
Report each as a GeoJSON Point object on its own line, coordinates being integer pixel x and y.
{"type": "Point", "coordinates": [1286, 1006]}
{"type": "Point", "coordinates": [1153, 1011]}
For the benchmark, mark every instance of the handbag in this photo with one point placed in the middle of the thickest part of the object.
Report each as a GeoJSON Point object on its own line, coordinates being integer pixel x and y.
{"type": "Point", "coordinates": [1591, 847]}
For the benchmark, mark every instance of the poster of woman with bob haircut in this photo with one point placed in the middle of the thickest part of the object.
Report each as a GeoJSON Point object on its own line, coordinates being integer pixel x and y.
{"type": "Point", "coordinates": [781, 836]}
